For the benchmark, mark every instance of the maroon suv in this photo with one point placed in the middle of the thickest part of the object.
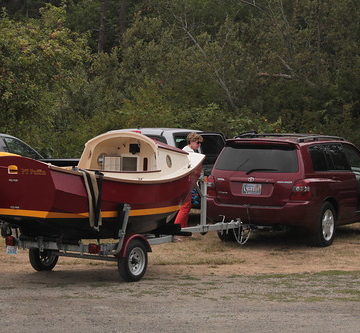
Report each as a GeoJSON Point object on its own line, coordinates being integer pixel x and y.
{"type": "Point", "coordinates": [307, 181]}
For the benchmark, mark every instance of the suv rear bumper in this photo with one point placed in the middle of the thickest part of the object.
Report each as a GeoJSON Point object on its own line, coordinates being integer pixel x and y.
{"type": "Point", "coordinates": [299, 214]}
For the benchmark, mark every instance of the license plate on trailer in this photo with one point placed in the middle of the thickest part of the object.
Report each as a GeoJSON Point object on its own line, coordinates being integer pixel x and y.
{"type": "Point", "coordinates": [11, 249]}
{"type": "Point", "coordinates": [251, 188]}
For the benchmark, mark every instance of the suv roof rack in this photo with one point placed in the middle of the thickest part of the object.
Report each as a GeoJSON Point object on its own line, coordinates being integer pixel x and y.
{"type": "Point", "coordinates": [320, 137]}
{"type": "Point", "coordinates": [300, 136]}
{"type": "Point", "coordinates": [263, 135]}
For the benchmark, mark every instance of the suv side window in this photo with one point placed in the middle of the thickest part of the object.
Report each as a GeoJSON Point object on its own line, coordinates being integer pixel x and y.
{"type": "Point", "coordinates": [328, 157]}
{"type": "Point", "coordinates": [353, 157]}
{"type": "Point", "coordinates": [336, 157]}
{"type": "Point", "coordinates": [318, 158]}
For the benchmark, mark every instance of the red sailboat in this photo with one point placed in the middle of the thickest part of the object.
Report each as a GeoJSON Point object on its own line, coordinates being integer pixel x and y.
{"type": "Point", "coordinates": [116, 168]}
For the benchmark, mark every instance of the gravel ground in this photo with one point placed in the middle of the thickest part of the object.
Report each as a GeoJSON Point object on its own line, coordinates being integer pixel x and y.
{"type": "Point", "coordinates": [272, 284]}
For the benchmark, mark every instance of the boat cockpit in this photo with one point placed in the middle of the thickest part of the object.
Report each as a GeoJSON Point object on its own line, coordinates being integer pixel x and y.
{"type": "Point", "coordinates": [120, 152]}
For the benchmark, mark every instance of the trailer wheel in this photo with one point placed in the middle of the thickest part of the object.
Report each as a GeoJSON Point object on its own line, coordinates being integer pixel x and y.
{"type": "Point", "coordinates": [132, 267]}
{"type": "Point", "coordinates": [43, 261]}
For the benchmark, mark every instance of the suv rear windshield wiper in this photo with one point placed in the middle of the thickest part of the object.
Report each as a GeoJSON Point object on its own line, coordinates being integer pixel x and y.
{"type": "Point", "coordinates": [252, 170]}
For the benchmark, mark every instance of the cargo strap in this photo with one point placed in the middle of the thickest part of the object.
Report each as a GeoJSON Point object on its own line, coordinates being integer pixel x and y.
{"type": "Point", "coordinates": [93, 184]}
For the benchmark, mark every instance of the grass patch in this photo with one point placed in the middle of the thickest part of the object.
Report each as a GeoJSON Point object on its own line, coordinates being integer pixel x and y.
{"type": "Point", "coordinates": [270, 276]}
{"type": "Point", "coordinates": [189, 277]}
{"type": "Point", "coordinates": [82, 297]}
{"type": "Point", "coordinates": [197, 293]}
{"type": "Point", "coordinates": [348, 299]}
{"type": "Point", "coordinates": [336, 273]}
{"type": "Point", "coordinates": [7, 288]}
{"type": "Point", "coordinates": [351, 292]}
{"type": "Point", "coordinates": [234, 276]}
{"type": "Point", "coordinates": [211, 283]}
{"type": "Point", "coordinates": [186, 284]}
{"type": "Point", "coordinates": [100, 284]}
{"type": "Point", "coordinates": [210, 261]}
{"type": "Point", "coordinates": [149, 292]}
{"type": "Point", "coordinates": [314, 299]}
{"type": "Point", "coordinates": [282, 297]}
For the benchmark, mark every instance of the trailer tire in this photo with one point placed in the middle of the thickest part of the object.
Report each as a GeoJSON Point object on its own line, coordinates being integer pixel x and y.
{"type": "Point", "coordinates": [43, 261]}
{"type": "Point", "coordinates": [133, 266]}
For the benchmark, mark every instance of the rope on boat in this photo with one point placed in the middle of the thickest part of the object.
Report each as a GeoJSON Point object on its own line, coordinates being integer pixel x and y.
{"type": "Point", "coordinates": [93, 189]}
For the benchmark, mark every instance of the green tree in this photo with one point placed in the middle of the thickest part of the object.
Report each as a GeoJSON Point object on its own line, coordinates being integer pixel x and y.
{"type": "Point", "coordinates": [41, 63]}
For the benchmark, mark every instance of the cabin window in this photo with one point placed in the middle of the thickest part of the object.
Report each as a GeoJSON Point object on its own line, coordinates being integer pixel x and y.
{"type": "Point", "coordinates": [145, 164]}
{"type": "Point", "coordinates": [129, 163]}
{"type": "Point", "coordinates": [120, 163]}
{"type": "Point", "coordinates": [112, 163]}
{"type": "Point", "coordinates": [168, 161]}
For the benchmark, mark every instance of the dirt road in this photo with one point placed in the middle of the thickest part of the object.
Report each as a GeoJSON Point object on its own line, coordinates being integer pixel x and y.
{"type": "Point", "coordinates": [274, 283]}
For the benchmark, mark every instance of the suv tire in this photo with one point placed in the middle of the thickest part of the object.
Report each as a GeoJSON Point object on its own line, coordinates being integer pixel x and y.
{"type": "Point", "coordinates": [228, 236]}
{"type": "Point", "coordinates": [325, 229]}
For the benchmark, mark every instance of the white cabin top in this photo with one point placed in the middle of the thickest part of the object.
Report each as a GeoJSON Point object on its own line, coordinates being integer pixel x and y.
{"type": "Point", "coordinates": [130, 155]}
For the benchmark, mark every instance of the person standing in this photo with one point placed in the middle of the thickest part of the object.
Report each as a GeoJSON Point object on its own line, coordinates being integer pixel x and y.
{"type": "Point", "coordinates": [194, 141]}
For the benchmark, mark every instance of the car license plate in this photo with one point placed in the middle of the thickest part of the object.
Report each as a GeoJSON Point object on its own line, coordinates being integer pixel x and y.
{"type": "Point", "coordinates": [11, 249]}
{"type": "Point", "coordinates": [251, 188]}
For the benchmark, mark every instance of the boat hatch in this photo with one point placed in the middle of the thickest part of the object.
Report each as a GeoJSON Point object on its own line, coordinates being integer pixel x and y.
{"type": "Point", "coordinates": [120, 163]}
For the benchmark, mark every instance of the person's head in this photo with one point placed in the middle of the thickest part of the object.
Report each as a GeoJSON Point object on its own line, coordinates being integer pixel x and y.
{"type": "Point", "coordinates": [194, 140]}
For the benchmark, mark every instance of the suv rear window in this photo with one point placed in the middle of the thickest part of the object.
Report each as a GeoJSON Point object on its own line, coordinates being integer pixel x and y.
{"type": "Point", "coordinates": [262, 158]}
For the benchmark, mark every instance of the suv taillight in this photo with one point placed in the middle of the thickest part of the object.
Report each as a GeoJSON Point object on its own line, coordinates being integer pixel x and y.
{"type": "Point", "coordinates": [301, 191]}
{"type": "Point", "coordinates": [211, 191]}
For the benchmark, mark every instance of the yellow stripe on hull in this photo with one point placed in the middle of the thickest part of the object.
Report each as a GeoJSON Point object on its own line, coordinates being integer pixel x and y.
{"type": "Point", "coordinates": [104, 214]}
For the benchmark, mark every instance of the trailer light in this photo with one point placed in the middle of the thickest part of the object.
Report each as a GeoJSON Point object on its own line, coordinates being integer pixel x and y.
{"type": "Point", "coordinates": [94, 248]}
{"type": "Point", "coordinates": [10, 241]}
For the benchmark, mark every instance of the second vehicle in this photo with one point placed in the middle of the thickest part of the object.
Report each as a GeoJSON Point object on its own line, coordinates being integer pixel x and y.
{"type": "Point", "coordinates": [306, 181]}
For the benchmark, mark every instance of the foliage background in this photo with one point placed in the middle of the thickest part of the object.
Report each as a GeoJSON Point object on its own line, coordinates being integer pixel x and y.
{"type": "Point", "coordinates": [70, 70]}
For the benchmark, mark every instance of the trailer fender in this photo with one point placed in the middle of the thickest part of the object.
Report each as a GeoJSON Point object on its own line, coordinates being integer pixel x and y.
{"type": "Point", "coordinates": [128, 239]}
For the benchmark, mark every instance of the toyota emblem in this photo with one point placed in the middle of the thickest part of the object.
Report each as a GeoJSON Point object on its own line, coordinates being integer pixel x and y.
{"type": "Point", "coordinates": [251, 179]}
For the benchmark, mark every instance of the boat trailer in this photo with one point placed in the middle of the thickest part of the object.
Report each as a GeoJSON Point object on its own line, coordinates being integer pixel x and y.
{"type": "Point", "coordinates": [128, 250]}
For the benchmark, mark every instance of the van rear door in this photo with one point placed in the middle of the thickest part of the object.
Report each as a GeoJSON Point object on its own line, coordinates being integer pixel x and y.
{"type": "Point", "coordinates": [256, 173]}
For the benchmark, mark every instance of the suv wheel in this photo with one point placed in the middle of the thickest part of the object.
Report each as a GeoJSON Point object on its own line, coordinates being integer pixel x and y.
{"type": "Point", "coordinates": [228, 236]}
{"type": "Point", "coordinates": [325, 229]}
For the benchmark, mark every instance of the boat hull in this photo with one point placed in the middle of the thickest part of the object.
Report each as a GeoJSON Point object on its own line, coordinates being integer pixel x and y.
{"type": "Point", "coordinates": [53, 202]}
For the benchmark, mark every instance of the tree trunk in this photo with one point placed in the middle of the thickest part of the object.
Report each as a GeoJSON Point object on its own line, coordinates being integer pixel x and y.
{"type": "Point", "coordinates": [122, 13]}
{"type": "Point", "coordinates": [102, 29]}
